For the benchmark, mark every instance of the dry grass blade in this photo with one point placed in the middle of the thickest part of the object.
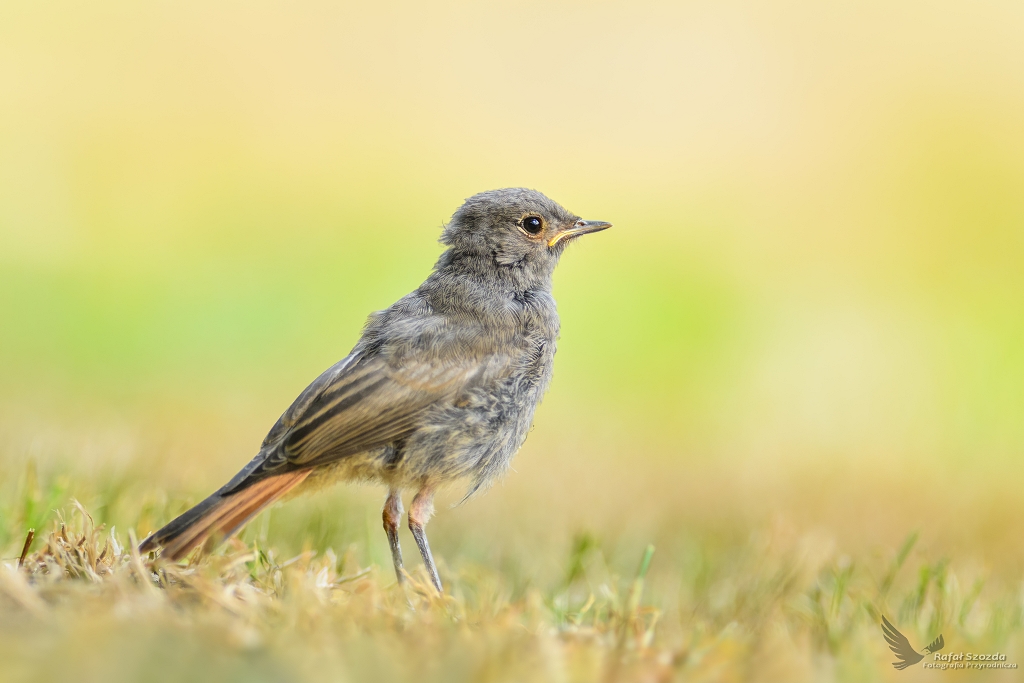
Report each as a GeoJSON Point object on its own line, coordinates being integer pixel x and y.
{"type": "Point", "coordinates": [29, 537]}
{"type": "Point", "coordinates": [143, 575]}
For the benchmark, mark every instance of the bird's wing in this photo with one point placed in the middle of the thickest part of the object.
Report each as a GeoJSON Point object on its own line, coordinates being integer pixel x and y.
{"type": "Point", "coordinates": [936, 644]}
{"type": "Point", "coordinates": [361, 403]}
{"type": "Point", "coordinates": [899, 644]}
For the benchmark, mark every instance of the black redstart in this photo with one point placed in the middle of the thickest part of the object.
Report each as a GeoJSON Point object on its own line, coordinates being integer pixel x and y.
{"type": "Point", "coordinates": [442, 386]}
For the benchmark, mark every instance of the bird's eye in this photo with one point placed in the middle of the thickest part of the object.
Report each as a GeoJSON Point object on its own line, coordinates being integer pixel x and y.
{"type": "Point", "coordinates": [533, 224]}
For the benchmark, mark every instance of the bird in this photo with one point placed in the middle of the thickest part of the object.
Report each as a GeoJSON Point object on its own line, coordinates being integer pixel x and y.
{"type": "Point", "coordinates": [902, 648]}
{"type": "Point", "coordinates": [440, 388]}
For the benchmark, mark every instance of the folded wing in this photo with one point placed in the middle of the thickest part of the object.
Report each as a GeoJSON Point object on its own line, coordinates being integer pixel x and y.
{"type": "Point", "coordinates": [359, 404]}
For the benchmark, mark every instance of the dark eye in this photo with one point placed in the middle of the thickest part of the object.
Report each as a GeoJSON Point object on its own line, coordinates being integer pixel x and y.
{"type": "Point", "coordinates": [533, 224]}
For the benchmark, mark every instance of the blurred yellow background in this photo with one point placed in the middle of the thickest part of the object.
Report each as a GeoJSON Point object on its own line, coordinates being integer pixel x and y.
{"type": "Point", "coordinates": [808, 316]}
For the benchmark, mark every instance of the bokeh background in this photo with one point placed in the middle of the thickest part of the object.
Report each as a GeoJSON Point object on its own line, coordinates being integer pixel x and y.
{"type": "Point", "coordinates": [805, 329]}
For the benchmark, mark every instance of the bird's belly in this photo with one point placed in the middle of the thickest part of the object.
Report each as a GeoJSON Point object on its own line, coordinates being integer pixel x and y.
{"type": "Point", "coordinates": [370, 466]}
{"type": "Point", "coordinates": [476, 435]}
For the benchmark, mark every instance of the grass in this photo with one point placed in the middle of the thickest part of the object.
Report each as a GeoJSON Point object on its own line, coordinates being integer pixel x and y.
{"type": "Point", "coordinates": [711, 603]}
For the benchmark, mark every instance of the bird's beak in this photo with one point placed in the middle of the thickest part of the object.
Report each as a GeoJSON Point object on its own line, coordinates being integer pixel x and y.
{"type": "Point", "coordinates": [581, 227]}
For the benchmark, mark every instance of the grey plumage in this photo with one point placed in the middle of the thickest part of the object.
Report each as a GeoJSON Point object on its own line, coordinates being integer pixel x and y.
{"type": "Point", "coordinates": [441, 387]}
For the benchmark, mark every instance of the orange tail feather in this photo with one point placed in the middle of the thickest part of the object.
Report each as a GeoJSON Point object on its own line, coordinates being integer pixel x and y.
{"type": "Point", "coordinates": [220, 517]}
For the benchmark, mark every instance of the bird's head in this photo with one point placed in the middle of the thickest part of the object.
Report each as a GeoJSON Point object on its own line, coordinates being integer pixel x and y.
{"type": "Point", "coordinates": [515, 230]}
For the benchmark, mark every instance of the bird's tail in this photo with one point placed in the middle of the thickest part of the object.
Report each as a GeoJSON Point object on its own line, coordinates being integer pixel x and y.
{"type": "Point", "coordinates": [220, 515]}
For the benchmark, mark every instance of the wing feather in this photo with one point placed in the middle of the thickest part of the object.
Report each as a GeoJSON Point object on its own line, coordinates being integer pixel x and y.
{"type": "Point", "coordinates": [359, 404]}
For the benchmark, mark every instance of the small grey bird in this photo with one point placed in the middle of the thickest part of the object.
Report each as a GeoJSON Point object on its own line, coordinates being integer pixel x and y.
{"type": "Point", "coordinates": [441, 387]}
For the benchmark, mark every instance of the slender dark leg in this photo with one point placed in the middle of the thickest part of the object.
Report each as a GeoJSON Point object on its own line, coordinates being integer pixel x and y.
{"type": "Point", "coordinates": [419, 514]}
{"type": "Point", "coordinates": [392, 518]}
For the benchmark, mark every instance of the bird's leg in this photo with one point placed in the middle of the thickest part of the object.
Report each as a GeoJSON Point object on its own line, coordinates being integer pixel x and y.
{"type": "Point", "coordinates": [419, 514]}
{"type": "Point", "coordinates": [392, 518]}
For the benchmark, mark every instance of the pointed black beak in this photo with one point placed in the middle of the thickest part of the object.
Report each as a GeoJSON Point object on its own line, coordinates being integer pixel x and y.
{"type": "Point", "coordinates": [581, 227]}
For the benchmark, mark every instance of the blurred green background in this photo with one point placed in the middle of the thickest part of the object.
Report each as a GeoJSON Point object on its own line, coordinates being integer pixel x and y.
{"type": "Point", "coordinates": [808, 315]}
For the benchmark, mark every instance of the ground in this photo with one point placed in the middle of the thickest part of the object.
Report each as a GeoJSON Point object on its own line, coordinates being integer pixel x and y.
{"type": "Point", "coordinates": [624, 577]}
